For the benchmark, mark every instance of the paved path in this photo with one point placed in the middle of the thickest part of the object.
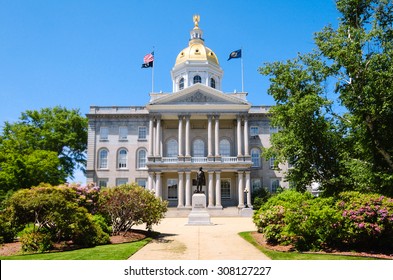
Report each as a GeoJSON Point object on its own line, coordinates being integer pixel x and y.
{"type": "Point", "coordinates": [219, 241]}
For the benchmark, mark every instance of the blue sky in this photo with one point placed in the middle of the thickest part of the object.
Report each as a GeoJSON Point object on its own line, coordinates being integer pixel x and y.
{"type": "Point", "coordinates": [77, 53]}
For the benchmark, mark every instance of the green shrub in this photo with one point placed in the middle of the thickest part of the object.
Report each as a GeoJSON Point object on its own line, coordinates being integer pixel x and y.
{"type": "Point", "coordinates": [259, 197]}
{"type": "Point", "coordinates": [85, 231]}
{"type": "Point", "coordinates": [57, 212]}
{"type": "Point", "coordinates": [299, 219]}
{"type": "Point", "coordinates": [7, 230]}
{"type": "Point", "coordinates": [274, 218]}
{"type": "Point", "coordinates": [316, 225]}
{"type": "Point", "coordinates": [102, 222]}
{"type": "Point", "coordinates": [35, 241]}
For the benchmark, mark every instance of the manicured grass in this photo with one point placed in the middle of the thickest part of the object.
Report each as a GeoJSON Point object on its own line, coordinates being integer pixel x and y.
{"type": "Point", "coordinates": [104, 252]}
{"type": "Point", "coordinates": [275, 255]}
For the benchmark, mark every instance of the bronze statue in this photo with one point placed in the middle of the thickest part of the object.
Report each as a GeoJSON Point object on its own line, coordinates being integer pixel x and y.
{"type": "Point", "coordinates": [200, 180]}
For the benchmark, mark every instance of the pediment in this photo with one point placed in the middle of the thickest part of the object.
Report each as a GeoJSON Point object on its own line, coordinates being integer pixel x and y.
{"type": "Point", "coordinates": [198, 95]}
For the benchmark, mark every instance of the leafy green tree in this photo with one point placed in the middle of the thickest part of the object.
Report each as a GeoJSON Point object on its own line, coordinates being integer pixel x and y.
{"type": "Point", "coordinates": [341, 151]}
{"type": "Point", "coordinates": [43, 146]}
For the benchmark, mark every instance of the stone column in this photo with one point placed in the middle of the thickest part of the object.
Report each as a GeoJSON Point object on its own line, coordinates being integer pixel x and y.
{"type": "Point", "coordinates": [150, 181]}
{"type": "Point", "coordinates": [158, 185]}
{"type": "Point", "coordinates": [158, 137]}
{"type": "Point", "coordinates": [239, 136]}
{"type": "Point", "coordinates": [188, 189]}
{"type": "Point", "coordinates": [211, 190]}
{"type": "Point", "coordinates": [180, 136]}
{"type": "Point", "coordinates": [217, 136]}
{"type": "Point", "coordinates": [180, 191]}
{"type": "Point", "coordinates": [188, 136]}
{"type": "Point", "coordinates": [246, 152]}
{"type": "Point", "coordinates": [151, 137]}
{"type": "Point", "coordinates": [240, 189]}
{"type": "Point", "coordinates": [248, 188]}
{"type": "Point", "coordinates": [218, 189]}
{"type": "Point", "coordinates": [209, 136]}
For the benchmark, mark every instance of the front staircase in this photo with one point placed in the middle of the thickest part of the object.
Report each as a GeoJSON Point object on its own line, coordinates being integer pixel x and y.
{"type": "Point", "coordinates": [174, 212]}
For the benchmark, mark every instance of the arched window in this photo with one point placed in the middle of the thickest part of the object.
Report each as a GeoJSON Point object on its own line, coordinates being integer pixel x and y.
{"type": "Point", "coordinates": [197, 79]}
{"type": "Point", "coordinates": [171, 148]}
{"type": "Point", "coordinates": [103, 159]}
{"type": "Point", "coordinates": [225, 148]}
{"type": "Point", "coordinates": [256, 157]}
{"type": "Point", "coordinates": [212, 83]}
{"type": "Point", "coordinates": [198, 147]}
{"type": "Point", "coordinates": [122, 159]}
{"type": "Point", "coordinates": [141, 158]}
{"type": "Point", "coordinates": [181, 84]}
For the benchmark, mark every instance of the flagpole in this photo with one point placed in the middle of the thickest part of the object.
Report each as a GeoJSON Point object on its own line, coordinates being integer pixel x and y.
{"type": "Point", "coordinates": [242, 69]}
{"type": "Point", "coordinates": [152, 72]}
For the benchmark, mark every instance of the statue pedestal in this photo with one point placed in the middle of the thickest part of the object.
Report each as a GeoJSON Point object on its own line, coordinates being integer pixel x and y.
{"type": "Point", "coordinates": [247, 212]}
{"type": "Point", "coordinates": [199, 215]}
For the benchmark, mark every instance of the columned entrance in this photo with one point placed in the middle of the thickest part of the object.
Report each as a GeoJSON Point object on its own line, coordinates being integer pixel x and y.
{"type": "Point", "coordinates": [222, 189]}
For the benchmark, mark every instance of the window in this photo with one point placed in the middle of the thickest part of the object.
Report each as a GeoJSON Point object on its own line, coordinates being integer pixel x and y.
{"type": "Point", "coordinates": [103, 159]}
{"type": "Point", "coordinates": [171, 148]}
{"type": "Point", "coordinates": [104, 132]}
{"type": "Point", "coordinates": [142, 131]}
{"type": "Point", "coordinates": [225, 148]}
{"type": "Point", "coordinates": [141, 182]}
{"type": "Point", "coordinates": [123, 132]}
{"type": "Point", "coordinates": [256, 157]}
{"type": "Point", "coordinates": [225, 188]}
{"type": "Point", "coordinates": [198, 148]}
{"type": "Point", "coordinates": [172, 189]}
{"type": "Point", "coordinates": [254, 131]}
{"type": "Point", "coordinates": [102, 183]}
{"type": "Point", "coordinates": [122, 159]}
{"type": "Point", "coordinates": [272, 162]}
{"type": "Point", "coordinates": [212, 83]}
{"type": "Point", "coordinates": [181, 84]}
{"type": "Point", "coordinates": [141, 156]}
{"type": "Point", "coordinates": [197, 79]}
{"type": "Point", "coordinates": [121, 181]}
{"type": "Point", "coordinates": [256, 184]}
{"type": "Point", "coordinates": [274, 185]}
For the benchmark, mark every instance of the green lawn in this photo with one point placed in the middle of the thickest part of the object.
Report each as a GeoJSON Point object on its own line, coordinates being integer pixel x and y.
{"type": "Point", "coordinates": [275, 255]}
{"type": "Point", "coordinates": [104, 252]}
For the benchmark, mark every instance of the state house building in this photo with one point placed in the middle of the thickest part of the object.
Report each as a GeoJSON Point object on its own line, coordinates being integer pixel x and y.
{"type": "Point", "coordinates": [162, 145]}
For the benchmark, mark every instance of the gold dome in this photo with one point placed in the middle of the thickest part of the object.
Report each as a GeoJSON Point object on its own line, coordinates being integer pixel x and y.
{"type": "Point", "coordinates": [196, 50]}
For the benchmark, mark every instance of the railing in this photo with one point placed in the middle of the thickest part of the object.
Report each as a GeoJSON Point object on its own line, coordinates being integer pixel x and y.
{"type": "Point", "coordinates": [198, 159]}
{"type": "Point", "coordinates": [228, 159]}
{"type": "Point", "coordinates": [169, 160]}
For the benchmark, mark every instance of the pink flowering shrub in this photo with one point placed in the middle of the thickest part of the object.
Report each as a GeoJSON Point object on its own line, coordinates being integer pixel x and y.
{"type": "Point", "coordinates": [87, 196]}
{"type": "Point", "coordinates": [367, 220]}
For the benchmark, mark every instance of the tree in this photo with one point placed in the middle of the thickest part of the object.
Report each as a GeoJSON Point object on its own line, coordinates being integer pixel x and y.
{"type": "Point", "coordinates": [341, 151]}
{"type": "Point", "coordinates": [129, 205]}
{"type": "Point", "coordinates": [43, 146]}
{"type": "Point", "coordinates": [308, 138]}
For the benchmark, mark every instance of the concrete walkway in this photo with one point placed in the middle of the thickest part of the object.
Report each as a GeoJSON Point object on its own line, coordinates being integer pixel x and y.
{"type": "Point", "coordinates": [219, 241]}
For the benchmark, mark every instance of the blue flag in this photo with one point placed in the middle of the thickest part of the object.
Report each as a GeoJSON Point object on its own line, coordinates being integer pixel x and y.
{"type": "Point", "coordinates": [235, 54]}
